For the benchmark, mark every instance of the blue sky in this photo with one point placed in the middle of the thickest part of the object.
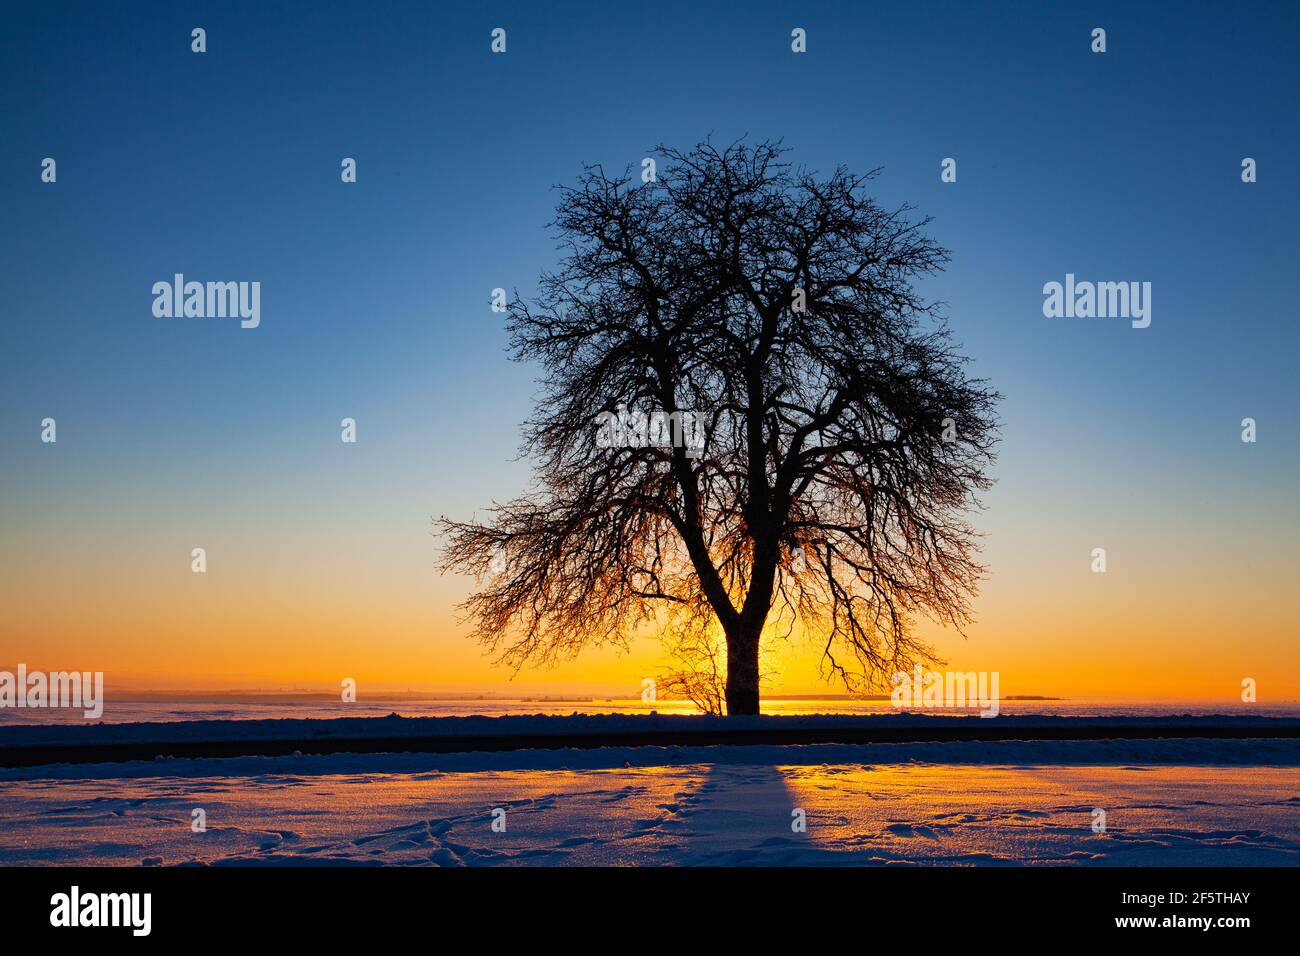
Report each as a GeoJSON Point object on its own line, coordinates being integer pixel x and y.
{"type": "Point", "coordinates": [225, 166]}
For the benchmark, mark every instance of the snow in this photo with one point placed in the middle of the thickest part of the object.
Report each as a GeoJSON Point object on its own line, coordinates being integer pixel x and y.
{"type": "Point", "coordinates": [729, 806]}
{"type": "Point", "coordinates": [1168, 803]}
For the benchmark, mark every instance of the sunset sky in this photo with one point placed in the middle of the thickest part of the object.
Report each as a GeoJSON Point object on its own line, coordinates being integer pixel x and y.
{"type": "Point", "coordinates": [183, 433]}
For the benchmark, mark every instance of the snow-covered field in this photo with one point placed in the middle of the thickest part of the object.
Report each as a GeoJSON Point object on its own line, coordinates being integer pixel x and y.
{"type": "Point", "coordinates": [1166, 803]}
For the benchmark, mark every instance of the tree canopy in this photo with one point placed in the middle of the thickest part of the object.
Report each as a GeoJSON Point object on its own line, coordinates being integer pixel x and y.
{"type": "Point", "coordinates": [796, 442]}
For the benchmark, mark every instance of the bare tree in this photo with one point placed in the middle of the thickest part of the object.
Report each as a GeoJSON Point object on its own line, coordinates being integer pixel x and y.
{"type": "Point", "coordinates": [697, 662]}
{"type": "Point", "coordinates": [843, 442]}
{"type": "Point", "coordinates": [698, 672]}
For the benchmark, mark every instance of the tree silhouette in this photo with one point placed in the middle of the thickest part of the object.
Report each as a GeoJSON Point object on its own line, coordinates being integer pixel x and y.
{"type": "Point", "coordinates": [842, 441]}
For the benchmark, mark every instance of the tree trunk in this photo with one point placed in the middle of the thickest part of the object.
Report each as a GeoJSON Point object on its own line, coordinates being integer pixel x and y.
{"type": "Point", "coordinates": [742, 670]}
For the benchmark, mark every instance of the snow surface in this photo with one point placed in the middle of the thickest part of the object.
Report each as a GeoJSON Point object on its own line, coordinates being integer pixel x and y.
{"type": "Point", "coordinates": [1168, 802]}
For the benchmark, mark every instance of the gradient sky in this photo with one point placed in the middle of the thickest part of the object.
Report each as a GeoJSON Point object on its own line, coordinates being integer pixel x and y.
{"type": "Point", "coordinates": [183, 433]}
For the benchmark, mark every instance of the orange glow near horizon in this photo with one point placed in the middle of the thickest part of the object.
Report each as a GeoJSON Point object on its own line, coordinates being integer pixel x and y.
{"type": "Point", "coordinates": [1104, 637]}
{"type": "Point", "coordinates": [301, 593]}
